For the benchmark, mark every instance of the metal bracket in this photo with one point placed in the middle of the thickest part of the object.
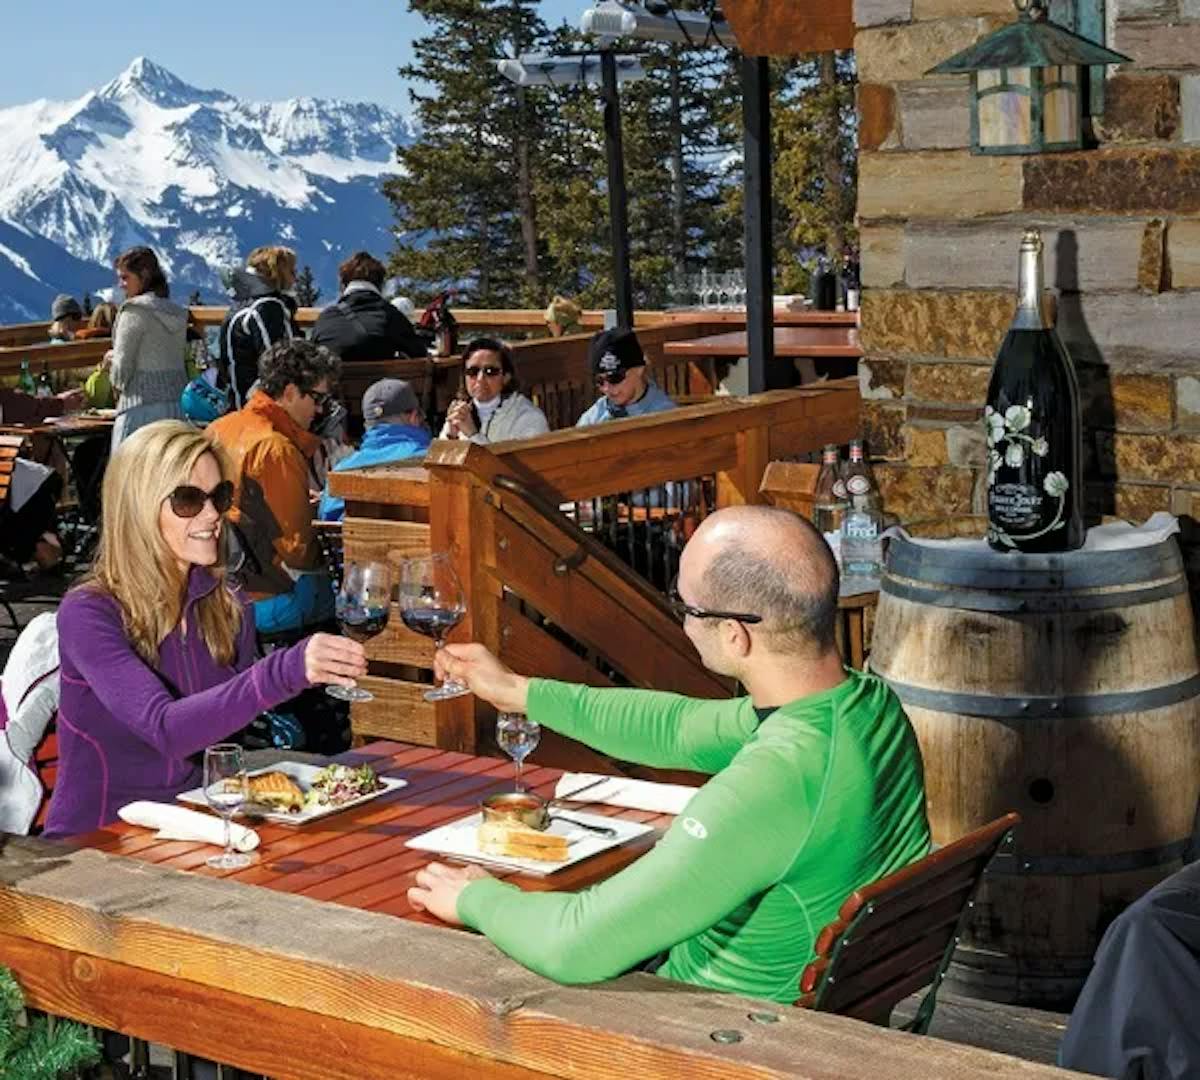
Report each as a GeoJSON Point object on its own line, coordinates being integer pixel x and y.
{"type": "Point", "coordinates": [567, 563]}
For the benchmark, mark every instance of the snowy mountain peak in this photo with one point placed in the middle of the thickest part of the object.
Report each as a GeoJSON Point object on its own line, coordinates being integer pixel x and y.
{"type": "Point", "coordinates": [145, 79]}
{"type": "Point", "coordinates": [199, 175]}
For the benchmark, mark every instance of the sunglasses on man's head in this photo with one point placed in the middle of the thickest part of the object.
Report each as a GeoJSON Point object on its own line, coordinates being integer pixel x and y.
{"type": "Point", "coordinates": [490, 370]}
{"type": "Point", "coordinates": [187, 500]}
{"type": "Point", "coordinates": [615, 379]}
{"type": "Point", "coordinates": [683, 609]}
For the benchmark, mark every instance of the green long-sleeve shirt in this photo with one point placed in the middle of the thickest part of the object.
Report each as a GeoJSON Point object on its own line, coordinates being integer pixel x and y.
{"type": "Point", "coordinates": [824, 795]}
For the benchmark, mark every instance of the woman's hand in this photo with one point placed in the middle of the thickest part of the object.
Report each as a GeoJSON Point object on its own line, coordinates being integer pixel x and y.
{"type": "Point", "coordinates": [484, 674]}
{"type": "Point", "coordinates": [439, 886]}
{"type": "Point", "coordinates": [459, 417]}
{"type": "Point", "coordinates": [106, 363]}
{"type": "Point", "coordinates": [332, 659]}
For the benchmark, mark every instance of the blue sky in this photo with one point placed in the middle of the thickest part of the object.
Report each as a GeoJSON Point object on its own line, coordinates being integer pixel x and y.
{"type": "Point", "coordinates": [262, 50]}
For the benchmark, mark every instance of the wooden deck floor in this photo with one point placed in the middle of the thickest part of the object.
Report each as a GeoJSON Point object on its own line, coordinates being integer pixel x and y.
{"type": "Point", "coordinates": [1031, 1034]}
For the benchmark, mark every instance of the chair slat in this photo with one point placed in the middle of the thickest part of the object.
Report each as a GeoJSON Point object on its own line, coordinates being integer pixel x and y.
{"type": "Point", "coordinates": [897, 934]}
{"type": "Point", "coordinates": [920, 957]}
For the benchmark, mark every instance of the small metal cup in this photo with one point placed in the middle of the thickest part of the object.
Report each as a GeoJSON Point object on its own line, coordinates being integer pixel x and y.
{"type": "Point", "coordinates": [519, 806]}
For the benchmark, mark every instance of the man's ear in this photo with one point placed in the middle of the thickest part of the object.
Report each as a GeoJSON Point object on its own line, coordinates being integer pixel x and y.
{"type": "Point", "coordinates": [737, 637]}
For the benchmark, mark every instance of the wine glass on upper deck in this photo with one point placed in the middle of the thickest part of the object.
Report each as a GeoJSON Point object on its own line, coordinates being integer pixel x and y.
{"type": "Point", "coordinates": [432, 603]}
{"type": "Point", "coordinates": [362, 608]}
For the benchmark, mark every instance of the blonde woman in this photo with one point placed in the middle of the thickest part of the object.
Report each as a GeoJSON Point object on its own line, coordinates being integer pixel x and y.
{"type": "Point", "coordinates": [146, 360]}
{"type": "Point", "coordinates": [263, 312]}
{"type": "Point", "coordinates": [157, 649]}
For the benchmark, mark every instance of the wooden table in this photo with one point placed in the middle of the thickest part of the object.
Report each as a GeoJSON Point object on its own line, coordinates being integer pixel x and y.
{"type": "Point", "coordinates": [357, 858]}
{"type": "Point", "coordinates": [64, 428]}
{"type": "Point", "coordinates": [814, 342]}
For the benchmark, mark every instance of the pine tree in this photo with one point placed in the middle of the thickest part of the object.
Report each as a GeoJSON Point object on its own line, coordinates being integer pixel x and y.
{"type": "Point", "coordinates": [35, 1051]}
{"type": "Point", "coordinates": [814, 171]}
{"type": "Point", "coordinates": [307, 293]}
{"type": "Point", "coordinates": [463, 183]}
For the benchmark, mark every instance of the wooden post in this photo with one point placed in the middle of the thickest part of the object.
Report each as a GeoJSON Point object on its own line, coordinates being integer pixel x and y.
{"type": "Point", "coordinates": [739, 486]}
{"type": "Point", "coordinates": [460, 527]}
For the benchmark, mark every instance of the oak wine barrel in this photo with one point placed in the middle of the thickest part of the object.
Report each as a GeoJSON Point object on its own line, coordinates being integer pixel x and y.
{"type": "Point", "coordinates": [1064, 687]}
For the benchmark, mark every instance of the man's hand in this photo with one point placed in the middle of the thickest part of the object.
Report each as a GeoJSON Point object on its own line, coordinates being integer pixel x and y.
{"type": "Point", "coordinates": [438, 887]}
{"type": "Point", "coordinates": [332, 659]}
{"type": "Point", "coordinates": [459, 417]}
{"type": "Point", "coordinates": [484, 674]}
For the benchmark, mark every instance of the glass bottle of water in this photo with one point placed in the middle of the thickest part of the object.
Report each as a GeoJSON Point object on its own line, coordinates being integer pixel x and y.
{"type": "Point", "coordinates": [862, 525]}
{"type": "Point", "coordinates": [829, 498]}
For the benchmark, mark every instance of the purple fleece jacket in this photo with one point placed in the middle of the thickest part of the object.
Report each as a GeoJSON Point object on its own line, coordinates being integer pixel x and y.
{"type": "Point", "coordinates": [128, 731]}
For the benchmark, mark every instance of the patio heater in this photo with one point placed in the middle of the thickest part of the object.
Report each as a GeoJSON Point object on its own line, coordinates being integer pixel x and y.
{"type": "Point", "coordinates": [660, 21]}
{"type": "Point", "coordinates": [608, 70]}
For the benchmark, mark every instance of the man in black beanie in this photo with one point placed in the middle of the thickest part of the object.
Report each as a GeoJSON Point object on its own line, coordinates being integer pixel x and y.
{"type": "Point", "coordinates": [619, 368]}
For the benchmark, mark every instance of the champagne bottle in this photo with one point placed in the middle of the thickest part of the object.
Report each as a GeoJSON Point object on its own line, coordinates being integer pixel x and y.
{"type": "Point", "coordinates": [1034, 438]}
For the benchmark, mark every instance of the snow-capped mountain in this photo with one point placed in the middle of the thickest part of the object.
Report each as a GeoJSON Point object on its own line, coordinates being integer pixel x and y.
{"type": "Point", "coordinates": [198, 175]}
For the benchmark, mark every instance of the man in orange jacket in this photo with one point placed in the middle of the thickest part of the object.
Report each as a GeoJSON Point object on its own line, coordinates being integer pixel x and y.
{"type": "Point", "coordinates": [270, 447]}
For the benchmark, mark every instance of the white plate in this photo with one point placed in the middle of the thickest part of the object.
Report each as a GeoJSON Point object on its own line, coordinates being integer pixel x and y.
{"type": "Point", "coordinates": [304, 775]}
{"type": "Point", "coordinates": [458, 841]}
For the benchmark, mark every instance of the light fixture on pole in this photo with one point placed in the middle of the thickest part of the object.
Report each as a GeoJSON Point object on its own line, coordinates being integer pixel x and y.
{"type": "Point", "coordinates": [658, 22]}
{"type": "Point", "coordinates": [606, 69]}
{"type": "Point", "coordinates": [582, 70]}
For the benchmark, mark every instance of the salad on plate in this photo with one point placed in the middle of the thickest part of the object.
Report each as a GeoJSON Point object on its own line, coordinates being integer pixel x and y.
{"type": "Point", "coordinates": [335, 785]}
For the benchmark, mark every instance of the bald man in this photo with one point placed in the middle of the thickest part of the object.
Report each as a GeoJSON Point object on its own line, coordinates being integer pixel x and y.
{"type": "Point", "coordinates": [816, 785]}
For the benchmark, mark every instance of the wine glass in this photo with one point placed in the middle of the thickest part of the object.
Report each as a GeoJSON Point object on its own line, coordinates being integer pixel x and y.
{"type": "Point", "coordinates": [225, 792]}
{"type": "Point", "coordinates": [432, 603]}
{"type": "Point", "coordinates": [362, 612]}
{"type": "Point", "coordinates": [518, 736]}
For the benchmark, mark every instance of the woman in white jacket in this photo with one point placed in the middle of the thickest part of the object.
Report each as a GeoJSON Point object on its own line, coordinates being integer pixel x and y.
{"type": "Point", "coordinates": [494, 411]}
{"type": "Point", "coordinates": [149, 346]}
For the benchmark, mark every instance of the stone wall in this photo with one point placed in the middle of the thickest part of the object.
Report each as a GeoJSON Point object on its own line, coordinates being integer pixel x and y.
{"type": "Point", "coordinates": [940, 230]}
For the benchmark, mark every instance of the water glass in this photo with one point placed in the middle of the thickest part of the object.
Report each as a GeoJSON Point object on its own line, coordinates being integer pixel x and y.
{"type": "Point", "coordinates": [225, 792]}
{"type": "Point", "coordinates": [518, 736]}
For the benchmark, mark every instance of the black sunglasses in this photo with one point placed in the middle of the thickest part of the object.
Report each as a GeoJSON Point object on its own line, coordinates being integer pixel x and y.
{"type": "Point", "coordinates": [187, 500]}
{"type": "Point", "coordinates": [615, 379]}
{"type": "Point", "coordinates": [490, 370]}
{"type": "Point", "coordinates": [320, 397]}
{"type": "Point", "coordinates": [682, 609]}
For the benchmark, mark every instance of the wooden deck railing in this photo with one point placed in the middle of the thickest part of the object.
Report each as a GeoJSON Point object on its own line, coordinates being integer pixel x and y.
{"type": "Point", "coordinates": [296, 989]}
{"type": "Point", "coordinates": [539, 593]}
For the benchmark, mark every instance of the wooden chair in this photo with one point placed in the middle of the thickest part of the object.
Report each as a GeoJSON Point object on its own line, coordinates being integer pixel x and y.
{"type": "Point", "coordinates": [898, 934]}
{"type": "Point", "coordinates": [45, 759]}
{"type": "Point", "coordinates": [13, 589]}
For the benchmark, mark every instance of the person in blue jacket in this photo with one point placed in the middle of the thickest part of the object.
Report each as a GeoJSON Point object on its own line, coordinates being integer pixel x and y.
{"type": "Point", "coordinates": [619, 370]}
{"type": "Point", "coordinates": [396, 430]}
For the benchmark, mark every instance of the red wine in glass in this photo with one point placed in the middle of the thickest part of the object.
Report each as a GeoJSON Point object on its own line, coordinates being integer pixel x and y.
{"type": "Point", "coordinates": [432, 603]}
{"type": "Point", "coordinates": [362, 612]}
{"type": "Point", "coordinates": [432, 621]}
{"type": "Point", "coordinates": [362, 624]}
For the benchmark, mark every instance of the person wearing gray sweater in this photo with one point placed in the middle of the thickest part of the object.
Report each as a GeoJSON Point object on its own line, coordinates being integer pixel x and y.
{"type": "Point", "coordinates": [149, 346]}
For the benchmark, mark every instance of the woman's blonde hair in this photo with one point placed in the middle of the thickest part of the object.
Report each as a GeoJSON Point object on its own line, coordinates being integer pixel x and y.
{"type": "Point", "coordinates": [133, 563]}
{"type": "Point", "coordinates": [103, 316]}
{"type": "Point", "coordinates": [275, 265]}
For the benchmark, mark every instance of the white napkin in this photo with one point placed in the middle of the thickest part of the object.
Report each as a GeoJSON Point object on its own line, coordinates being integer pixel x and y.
{"type": "Point", "coordinates": [179, 823]}
{"type": "Point", "coordinates": [622, 791]}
